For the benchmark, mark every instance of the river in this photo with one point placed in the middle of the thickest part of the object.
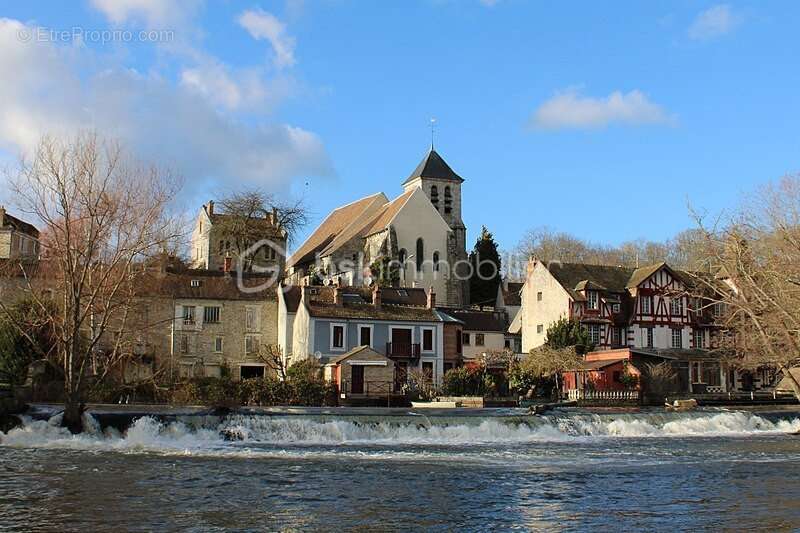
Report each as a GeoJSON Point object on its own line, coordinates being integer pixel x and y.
{"type": "Point", "coordinates": [571, 470]}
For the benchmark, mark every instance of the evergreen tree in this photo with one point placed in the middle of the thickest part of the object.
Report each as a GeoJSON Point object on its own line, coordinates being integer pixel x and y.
{"type": "Point", "coordinates": [566, 333]}
{"type": "Point", "coordinates": [485, 260]}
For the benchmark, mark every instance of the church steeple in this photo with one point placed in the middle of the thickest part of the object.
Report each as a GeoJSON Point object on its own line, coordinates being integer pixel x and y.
{"type": "Point", "coordinates": [433, 166]}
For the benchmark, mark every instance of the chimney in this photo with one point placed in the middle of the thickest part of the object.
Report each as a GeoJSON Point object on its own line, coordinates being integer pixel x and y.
{"type": "Point", "coordinates": [2, 216]}
{"type": "Point", "coordinates": [210, 207]}
{"type": "Point", "coordinates": [338, 296]}
{"type": "Point", "coordinates": [274, 216]}
{"type": "Point", "coordinates": [431, 298]}
{"type": "Point", "coordinates": [376, 296]}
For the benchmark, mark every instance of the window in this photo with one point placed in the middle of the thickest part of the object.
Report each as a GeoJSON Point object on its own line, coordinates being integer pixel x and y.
{"type": "Point", "coordinates": [592, 299]}
{"type": "Point", "coordinates": [218, 345]}
{"type": "Point", "coordinates": [540, 328]}
{"type": "Point", "coordinates": [646, 305]}
{"type": "Point", "coordinates": [337, 337]}
{"type": "Point", "coordinates": [195, 282]}
{"type": "Point", "coordinates": [184, 344]}
{"type": "Point", "coordinates": [649, 337]}
{"type": "Point", "coordinates": [420, 254]}
{"type": "Point", "coordinates": [251, 318]}
{"type": "Point", "coordinates": [594, 333]}
{"type": "Point", "coordinates": [507, 344]}
{"type": "Point", "coordinates": [435, 196]}
{"type": "Point", "coordinates": [459, 342]}
{"type": "Point", "coordinates": [711, 374]}
{"type": "Point", "coordinates": [365, 336]}
{"type": "Point", "coordinates": [211, 315]}
{"type": "Point", "coordinates": [427, 370]}
{"type": "Point", "coordinates": [615, 308]}
{"type": "Point", "coordinates": [539, 296]}
{"type": "Point", "coordinates": [696, 370]}
{"type": "Point", "coordinates": [677, 338]}
{"type": "Point", "coordinates": [251, 372]}
{"type": "Point", "coordinates": [718, 309]}
{"type": "Point", "coordinates": [251, 343]}
{"type": "Point", "coordinates": [676, 307]}
{"type": "Point", "coordinates": [427, 340]}
{"type": "Point", "coordinates": [401, 257]}
{"type": "Point", "coordinates": [465, 339]}
{"type": "Point", "coordinates": [616, 336]}
{"type": "Point", "coordinates": [699, 339]}
{"type": "Point", "coordinates": [479, 340]}
{"type": "Point", "coordinates": [188, 315]}
{"type": "Point", "coordinates": [448, 199]}
{"type": "Point", "coordinates": [436, 261]}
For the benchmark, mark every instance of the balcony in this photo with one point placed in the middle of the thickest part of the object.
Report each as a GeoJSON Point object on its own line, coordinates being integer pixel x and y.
{"type": "Point", "coordinates": [402, 350]}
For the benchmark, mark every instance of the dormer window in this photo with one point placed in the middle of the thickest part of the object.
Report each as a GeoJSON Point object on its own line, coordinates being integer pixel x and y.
{"type": "Point", "coordinates": [591, 299]}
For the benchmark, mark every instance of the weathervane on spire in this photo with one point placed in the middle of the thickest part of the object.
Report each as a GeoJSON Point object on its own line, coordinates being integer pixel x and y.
{"type": "Point", "coordinates": [433, 127]}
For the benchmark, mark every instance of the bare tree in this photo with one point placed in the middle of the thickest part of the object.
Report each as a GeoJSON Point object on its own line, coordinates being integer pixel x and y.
{"type": "Point", "coordinates": [272, 356]}
{"type": "Point", "coordinates": [756, 255]}
{"type": "Point", "coordinates": [102, 215]}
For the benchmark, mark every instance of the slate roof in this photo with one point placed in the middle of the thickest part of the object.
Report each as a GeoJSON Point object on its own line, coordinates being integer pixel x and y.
{"type": "Point", "coordinates": [336, 223]}
{"type": "Point", "coordinates": [385, 215]}
{"type": "Point", "coordinates": [396, 303]}
{"type": "Point", "coordinates": [370, 312]}
{"type": "Point", "coordinates": [433, 166]}
{"type": "Point", "coordinates": [511, 295]}
{"type": "Point", "coordinates": [475, 320]}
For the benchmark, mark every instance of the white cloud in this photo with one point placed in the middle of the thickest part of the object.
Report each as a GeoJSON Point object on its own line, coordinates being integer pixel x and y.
{"type": "Point", "coordinates": [569, 109]}
{"type": "Point", "coordinates": [154, 13]}
{"type": "Point", "coordinates": [263, 25]}
{"type": "Point", "coordinates": [714, 22]}
{"type": "Point", "coordinates": [62, 89]}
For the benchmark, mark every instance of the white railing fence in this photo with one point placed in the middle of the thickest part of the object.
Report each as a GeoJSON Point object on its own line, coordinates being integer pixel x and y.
{"type": "Point", "coordinates": [609, 395]}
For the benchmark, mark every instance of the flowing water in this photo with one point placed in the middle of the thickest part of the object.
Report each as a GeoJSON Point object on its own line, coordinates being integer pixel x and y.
{"type": "Point", "coordinates": [573, 470]}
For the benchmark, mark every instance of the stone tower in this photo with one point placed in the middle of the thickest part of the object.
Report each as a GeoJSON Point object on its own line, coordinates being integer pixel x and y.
{"type": "Point", "coordinates": [443, 186]}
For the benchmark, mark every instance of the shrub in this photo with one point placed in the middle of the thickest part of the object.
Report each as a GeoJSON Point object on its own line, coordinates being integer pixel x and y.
{"type": "Point", "coordinates": [463, 381]}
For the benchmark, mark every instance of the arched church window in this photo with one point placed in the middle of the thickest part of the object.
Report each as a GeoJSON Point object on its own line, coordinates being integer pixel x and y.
{"type": "Point", "coordinates": [420, 254]}
{"type": "Point", "coordinates": [436, 261]}
{"type": "Point", "coordinates": [448, 199]}
{"type": "Point", "coordinates": [401, 256]}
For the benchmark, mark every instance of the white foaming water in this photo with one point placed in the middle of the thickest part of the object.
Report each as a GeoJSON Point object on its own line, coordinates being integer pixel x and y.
{"type": "Point", "coordinates": [149, 435]}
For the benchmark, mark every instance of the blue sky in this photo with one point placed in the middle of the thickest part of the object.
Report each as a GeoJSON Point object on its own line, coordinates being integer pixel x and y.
{"type": "Point", "coordinates": [600, 119]}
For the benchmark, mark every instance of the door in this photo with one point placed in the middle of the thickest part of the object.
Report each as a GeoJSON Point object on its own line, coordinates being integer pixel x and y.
{"type": "Point", "coordinates": [401, 342]}
{"type": "Point", "coordinates": [357, 376]}
{"type": "Point", "coordinates": [400, 375]}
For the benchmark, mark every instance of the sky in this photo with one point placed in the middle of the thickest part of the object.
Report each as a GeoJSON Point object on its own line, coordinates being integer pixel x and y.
{"type": "Point", "coordinates": [603, 120]}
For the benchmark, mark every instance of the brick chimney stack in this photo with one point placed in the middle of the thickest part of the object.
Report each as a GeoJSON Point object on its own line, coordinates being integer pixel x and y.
{"type": "Point", "coordinates": [2, 216]}
{"type": "Point", "coordinates": [210, 207]}
{"type": "Point", "coordinates": [376, 296]}
{"type": "Point", "coordinates": [431, 298]}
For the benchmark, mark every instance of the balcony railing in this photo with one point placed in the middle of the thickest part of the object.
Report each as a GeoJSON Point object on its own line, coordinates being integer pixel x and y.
{"type": "Point", "coordinates": [370, 388]}
{"type": "Point", "coordinates": [403, 350]}
{"type": "Point", "coordinates": [609, 395]}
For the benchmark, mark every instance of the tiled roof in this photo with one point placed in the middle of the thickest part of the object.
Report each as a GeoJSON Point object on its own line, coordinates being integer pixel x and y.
{"type": "Point", "coordinates": [643, 273]}
{"type": "Point", "coordinates": [433, 166]}
{"type": "Point", "coordinates": [475, 320]}
{"type": "Point", "coordinates": [207, 285]}
{"type": "Point", "coordinates": [396, 304]}
{"type": "Point", "coordinates": [570, 275]}
{"type": "Point", "coordinates": [337, 222]}
{"type": "Point", "coordinates": [370, 312]}
{"type": "Point", "coordinates": [385, 215]}
{"type": "Point", "coordinates": [354, 351]}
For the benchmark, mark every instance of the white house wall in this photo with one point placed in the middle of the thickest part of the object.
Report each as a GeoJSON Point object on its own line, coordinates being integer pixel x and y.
{"type": "Point", "coordinates": [553, 306]}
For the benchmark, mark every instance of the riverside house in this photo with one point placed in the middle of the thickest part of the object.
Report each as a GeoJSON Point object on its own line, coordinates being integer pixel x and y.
{"type": "Point", "coordinates": [401, 324]}
{"type": "Point", "coordinates": [634, 316]}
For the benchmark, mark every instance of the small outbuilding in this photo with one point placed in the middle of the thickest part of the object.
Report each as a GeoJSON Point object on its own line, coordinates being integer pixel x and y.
{"type": "Point", "coordinates": [362, 373]}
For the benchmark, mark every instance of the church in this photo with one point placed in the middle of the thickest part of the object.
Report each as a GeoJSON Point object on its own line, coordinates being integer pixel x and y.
{"type": "Point", "coordinates": [420, 231]}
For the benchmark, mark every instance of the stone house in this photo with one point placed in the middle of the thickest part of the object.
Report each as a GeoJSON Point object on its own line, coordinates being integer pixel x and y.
{"type": "Point", "coordinates": [219, 240]}
{"type": "Point", "coordinates": [194, 323]}
{"type": "Point", "coordinates": [482, 331]}
{"type": "Point", "coordinates": [18, 239]}
{"type": "Point", "coordinates": [421, 230]}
